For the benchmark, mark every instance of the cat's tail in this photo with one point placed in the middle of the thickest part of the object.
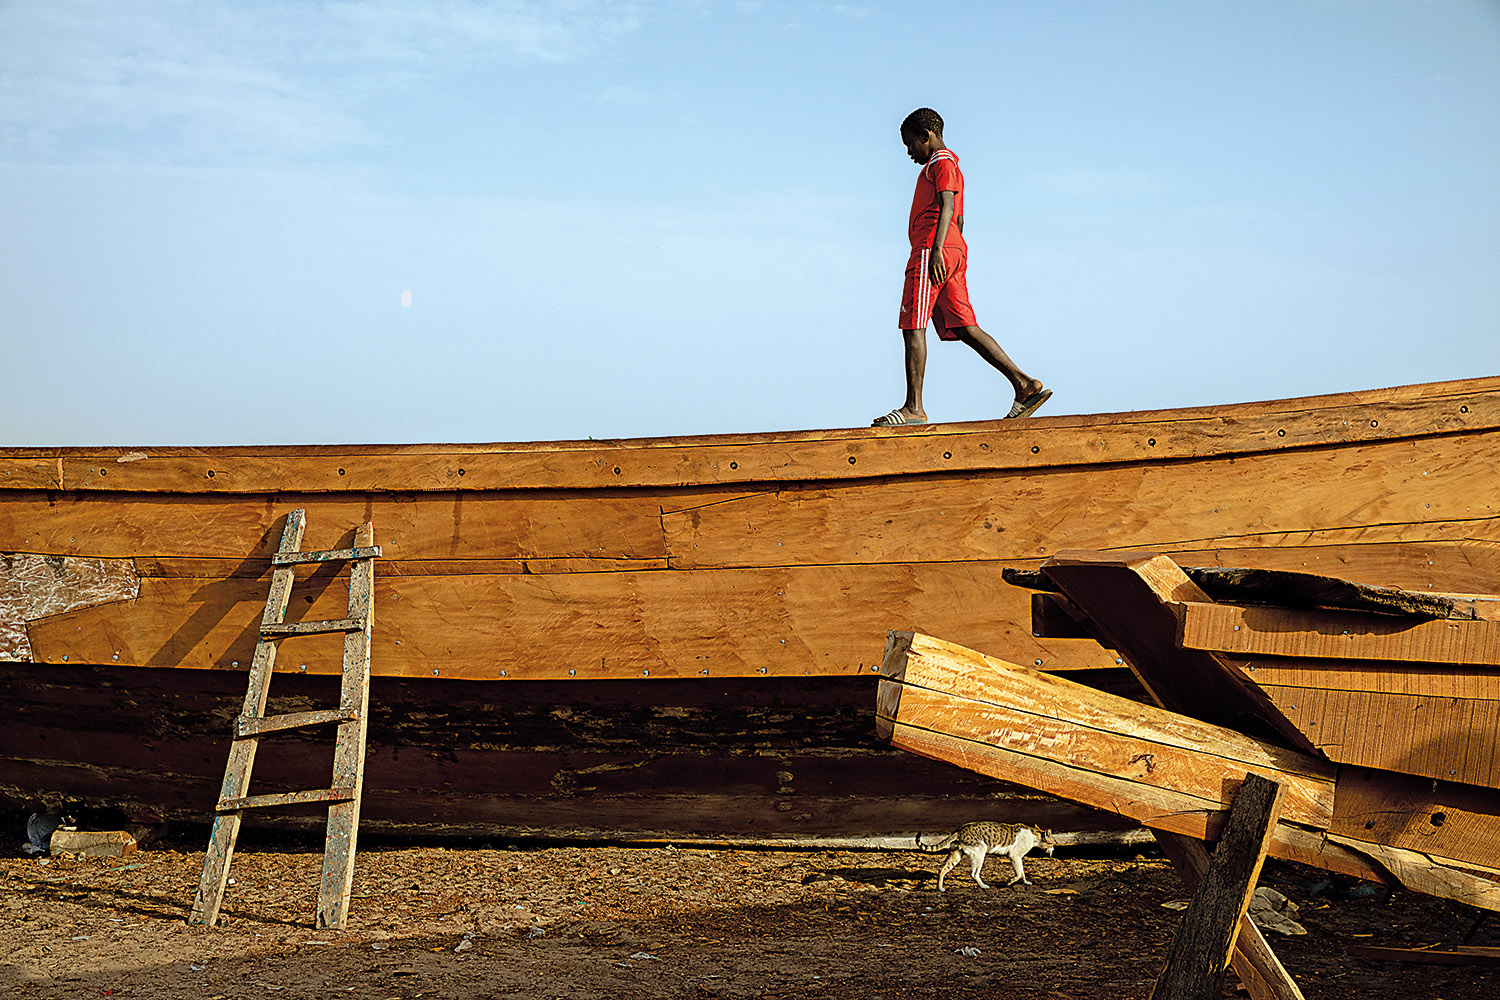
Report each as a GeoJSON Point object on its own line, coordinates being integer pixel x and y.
{"type": "Point", "coordinates": [941, 845]}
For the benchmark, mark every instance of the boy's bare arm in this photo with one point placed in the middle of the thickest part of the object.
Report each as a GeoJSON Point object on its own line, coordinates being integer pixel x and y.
{"type": "Point", "coordinates": [936, 266]}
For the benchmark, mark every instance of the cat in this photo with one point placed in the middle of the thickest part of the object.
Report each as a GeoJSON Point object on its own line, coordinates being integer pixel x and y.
{"type": "Point", "coordinates": [976, 840]}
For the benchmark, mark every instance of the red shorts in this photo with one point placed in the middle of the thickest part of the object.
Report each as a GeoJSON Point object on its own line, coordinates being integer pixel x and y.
{"type": "Point", "coordinates": [946, 306]}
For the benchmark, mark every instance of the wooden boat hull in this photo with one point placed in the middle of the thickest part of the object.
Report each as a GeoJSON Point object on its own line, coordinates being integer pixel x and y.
{"type": "Point", "coordinates": [768, 760]}
{"type": "Point", "coordinates": [768, 559]}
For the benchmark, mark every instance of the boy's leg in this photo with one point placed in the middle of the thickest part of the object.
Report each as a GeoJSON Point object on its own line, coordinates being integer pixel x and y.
{"type": "Point", "coordinates": [910, 412]}
{"type": "Point", "coordinates": [916, 314]}
{"type": "Point", "coordinates": [916, 368]}
{"type": "Point", "coordinates": [988, 349]}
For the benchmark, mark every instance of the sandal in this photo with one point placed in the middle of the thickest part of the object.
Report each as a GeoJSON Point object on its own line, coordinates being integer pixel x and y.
{"type": "Point", "coordinates": [1026, 407]}
{"type": "Point", "coordinates": [895, 419]}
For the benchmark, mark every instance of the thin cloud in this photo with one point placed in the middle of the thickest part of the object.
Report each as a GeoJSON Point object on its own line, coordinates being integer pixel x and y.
{"type": "Point", "coordinates": [281, 78]}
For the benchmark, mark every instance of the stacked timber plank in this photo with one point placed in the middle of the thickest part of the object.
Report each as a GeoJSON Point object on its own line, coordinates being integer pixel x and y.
{"type": "Point", "coordinates": [1378, 723]}
{"type": "Point", "coordinates": [763, 567]}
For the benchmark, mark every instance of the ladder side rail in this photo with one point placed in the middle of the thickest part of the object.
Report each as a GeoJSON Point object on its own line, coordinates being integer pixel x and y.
{"type": "Point", "coordinates": [226, 826]}
{"type": "Point", "coordinates": [349, 747]}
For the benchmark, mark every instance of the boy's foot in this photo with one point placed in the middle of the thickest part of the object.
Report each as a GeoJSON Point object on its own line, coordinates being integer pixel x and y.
{"type": "Point", "coordinates": [1025, 406]}
{"type": "Point", "coordinates": [898, 418]}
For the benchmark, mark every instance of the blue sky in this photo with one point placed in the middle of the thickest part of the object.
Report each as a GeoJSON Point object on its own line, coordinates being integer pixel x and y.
{"type": "Point", "coordinates": [686, 216]}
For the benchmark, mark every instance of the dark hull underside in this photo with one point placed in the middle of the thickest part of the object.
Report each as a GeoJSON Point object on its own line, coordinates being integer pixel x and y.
{"type": "Point", "coordinates": [769, 759]}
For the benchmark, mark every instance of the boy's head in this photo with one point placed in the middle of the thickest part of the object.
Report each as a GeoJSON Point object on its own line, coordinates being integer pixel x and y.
{"type": "Point", "coordinates": [922, 133]}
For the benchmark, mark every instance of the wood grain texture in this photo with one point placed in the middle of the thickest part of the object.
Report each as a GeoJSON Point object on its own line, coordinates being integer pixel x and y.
{"type": "Point", "coordinates": [1166, 506]}
{"type": "Point", "coordinates": [762, 757]}
{"type": "Point", "coordinates": [1206, 933]}
{"type": "Point", "coordinates": [451, 526]}
{"type": "Point", "coordinates": [1337, 635]}
{"type": "Point", "coordinates": [1462, 407]}
{"type": "Point", "coordinates": [797, 621]}
{"type": "Point", "coordinates": [1179, 775]}
{"type": "Point", "coordinates": [1101, 740]}
{"type": "Point", "coordinates": [1439, 736]}
{"type": "Point", "coordinates": [1130, 603]}
{"type": "Point", "coordinates": [1261, 972]}
{"type": "Point", "coordinates": [1441, 819]}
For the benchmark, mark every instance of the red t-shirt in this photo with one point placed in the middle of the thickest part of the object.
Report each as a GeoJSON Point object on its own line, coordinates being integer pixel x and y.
{"type": "Point", "coordinates": [940, 173]}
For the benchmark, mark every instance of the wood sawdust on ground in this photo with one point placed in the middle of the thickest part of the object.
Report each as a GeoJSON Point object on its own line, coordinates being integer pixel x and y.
{"type": "Point", "coordinates": [625, 922]}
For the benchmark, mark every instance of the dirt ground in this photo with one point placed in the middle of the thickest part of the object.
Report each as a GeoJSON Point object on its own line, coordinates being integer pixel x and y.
{"type": "Point", "coordinates": [623, 922]}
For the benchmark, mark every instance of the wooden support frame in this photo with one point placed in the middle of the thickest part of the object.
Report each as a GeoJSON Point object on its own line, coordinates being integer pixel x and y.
{"type": "Point", "coordinates": [1261, 972]}
{"type": "Point", "coordinates": [1206, 936]}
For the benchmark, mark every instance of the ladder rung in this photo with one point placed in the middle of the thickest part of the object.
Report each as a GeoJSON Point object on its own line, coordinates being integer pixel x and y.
{"type": "Point", "coordinates": [286, 799]}
{"type": "Point", "coordinates": [312, 628]}
{"type": "Point", "coordinates": [327, 555]}
{"type": "Point", "coordinates": [247, 726]}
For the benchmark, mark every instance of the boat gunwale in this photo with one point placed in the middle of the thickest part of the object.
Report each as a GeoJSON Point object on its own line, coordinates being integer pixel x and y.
{"type": "Point", "coordinates": [748, 460]}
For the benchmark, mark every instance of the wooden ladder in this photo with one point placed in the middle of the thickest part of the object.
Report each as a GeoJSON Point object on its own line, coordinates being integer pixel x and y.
{"type": "Point", "coordinates": [343, 795]}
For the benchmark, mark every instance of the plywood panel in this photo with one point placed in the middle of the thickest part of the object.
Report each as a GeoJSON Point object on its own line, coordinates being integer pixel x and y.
{"type": "Point", "coordinates": [1438, 680]}
{"type": "Point", "coordinates": [1446, 738]}
{"type": "Point", "coordinates": [1163, 506]}
{"type": "Point", "coordinates": [1444, 559]}
{"type": "Point", "coordinates": [602, 525]}
{"type": "Point", "coordinates": [794, 621]}
{"type": "Point", "coordinates": [780, 457]}
{"type": "Point", "coordinates": [1337, 635]}
{"type": "Point", "coordinates": [1447, 820]}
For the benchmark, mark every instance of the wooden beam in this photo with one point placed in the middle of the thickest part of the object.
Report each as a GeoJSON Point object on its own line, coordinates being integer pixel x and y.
{"type": "Point", "coordinates": [246, 728]}
{"type": "Point", "coordinates": [1448, 820]}
{"type": "Point", "coordinates": [1206, 935]}
{"type": "Point", "coordinates": [1160, 769]}
{"type": "Point", "coordinates": [1262, 973]}
{"type": "Point", "coordinates": [1131, 602]}
{"type": "Point", "coordinates": [285, 630]}
{"type": "Point", "coordinates": [1336, 635]}
{"type": "Point", "coordinates": [1054, 617]}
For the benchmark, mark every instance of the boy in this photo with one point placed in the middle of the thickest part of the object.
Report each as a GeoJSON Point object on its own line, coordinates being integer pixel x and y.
{"type": "Point", "coordinates": [936, 288]}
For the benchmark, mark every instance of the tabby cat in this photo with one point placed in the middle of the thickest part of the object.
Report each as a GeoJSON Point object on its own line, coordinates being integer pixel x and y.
{"type": "Point", "coordinates": [976, 840]}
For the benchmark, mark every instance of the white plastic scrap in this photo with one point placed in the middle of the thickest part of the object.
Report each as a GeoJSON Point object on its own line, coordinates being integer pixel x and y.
{"type": "Point", "coordinates": [969, 952]}
{"type": "Point", "coordinates": [39, 828]}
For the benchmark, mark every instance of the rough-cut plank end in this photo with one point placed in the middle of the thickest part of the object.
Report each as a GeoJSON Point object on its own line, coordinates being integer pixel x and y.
{"type": "Point", "coordinates": [892, 671]}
